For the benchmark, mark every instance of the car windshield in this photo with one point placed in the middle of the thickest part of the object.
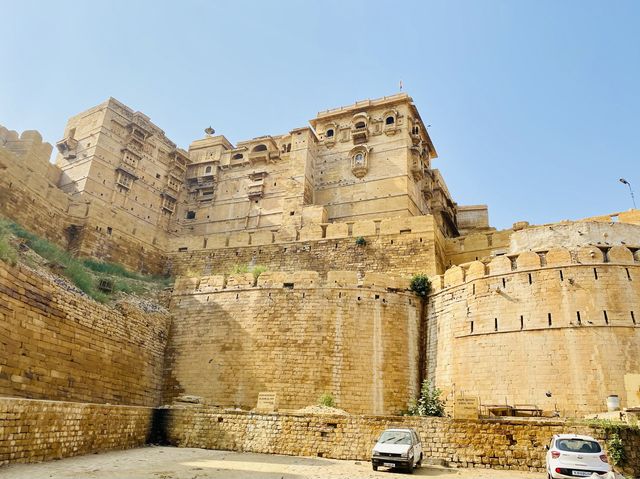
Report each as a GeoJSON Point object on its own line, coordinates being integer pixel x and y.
{"type": "Point", "coordinates": [578, 445]}
{"type": "Point", "coordinates": [395, 437]}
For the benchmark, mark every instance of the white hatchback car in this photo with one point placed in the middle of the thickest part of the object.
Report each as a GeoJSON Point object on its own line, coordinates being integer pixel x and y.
{"type": "Point", "coordinates": [399, 449]}
{"type": "Point", "coordinates": [570, 455]}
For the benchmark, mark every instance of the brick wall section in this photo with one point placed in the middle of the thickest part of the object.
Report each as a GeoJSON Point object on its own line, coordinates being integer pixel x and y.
{"type": "Point", "coordinates": [514, 354]}
{"type": "Point", "coordinates": [33, 431]}
{"type": "Point", "coordinates": [406, 254]}
{"type": "Point", "coordinates": [55, 344]}
{"type": "Point", "coordinates": [500, 444]}
{"type": "Point", "coordinates": [360, 345]}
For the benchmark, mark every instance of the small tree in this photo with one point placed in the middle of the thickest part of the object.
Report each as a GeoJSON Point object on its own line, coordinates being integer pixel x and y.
{"type": "Point", "coordinates": [429, 402]}
{"type": "Point", "coordinates": [360, 241]}
{"type": "Point", "coordinates": [421, 285]}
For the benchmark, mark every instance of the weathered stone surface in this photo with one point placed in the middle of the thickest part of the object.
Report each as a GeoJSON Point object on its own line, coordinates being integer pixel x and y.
{"type": "Point", "coordinates": [34, 431]}
{"type": "Point", "coordinates": [297, 339]}
{"type": "Point", "coordinates": [59, 345]}
{"type": "Point", "coordinates": [497, 443]}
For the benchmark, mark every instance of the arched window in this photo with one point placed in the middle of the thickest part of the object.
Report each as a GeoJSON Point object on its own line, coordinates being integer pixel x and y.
{"type": "Point", "coordinates": [361, 124]}
{"type": "Point", "coordinates": [329, 132]}
{"type": "Point", "coordinates": [390, 120]}
{"type": "Point", "coordinates": [207, 169]}
{"type": "Point", "coordinates": [260, 148]}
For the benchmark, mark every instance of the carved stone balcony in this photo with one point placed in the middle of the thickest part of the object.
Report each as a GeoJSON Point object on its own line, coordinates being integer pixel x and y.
{"type": "Point", "coordinates": [359, 134]}
{"type": "Point", "coordinates": [168, 192]}
{"type": "Point", "coordinates": [417, 168]}
{"type": "Point", "coordinates": [127, 169]}
{"type": "Point", "coordinates": [169, 204]}
{"type": "Point", "coordinates": [255, 189]}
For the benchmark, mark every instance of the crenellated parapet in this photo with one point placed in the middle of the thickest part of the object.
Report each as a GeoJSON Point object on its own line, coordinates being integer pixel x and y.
{"type": "Point", "coordinates": [291, 280]}
{"type": "Point", "coordinates": [528, 261]}
{"type": "Point", "coordinates": [406, 225]}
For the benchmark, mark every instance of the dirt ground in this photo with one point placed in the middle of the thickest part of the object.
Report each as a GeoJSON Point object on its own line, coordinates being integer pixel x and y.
{"type": "Point", "coordinates": [189, 463]}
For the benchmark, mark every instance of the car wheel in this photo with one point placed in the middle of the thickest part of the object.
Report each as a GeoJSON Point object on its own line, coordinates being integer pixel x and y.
{"type": "Point", "coordinates": [419, 463]}
{"type": "Point", "coordinates": [375, 468]}
{"type": "Point", "coordinates": [410, 469]}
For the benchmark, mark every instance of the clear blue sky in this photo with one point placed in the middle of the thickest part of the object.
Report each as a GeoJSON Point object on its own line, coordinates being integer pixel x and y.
{"type": "Point", "coordinates": [534, 105]}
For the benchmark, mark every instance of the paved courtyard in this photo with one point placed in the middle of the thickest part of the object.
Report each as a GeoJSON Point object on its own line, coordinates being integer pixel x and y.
{"type": "Point", "coordinates": [189, 463]}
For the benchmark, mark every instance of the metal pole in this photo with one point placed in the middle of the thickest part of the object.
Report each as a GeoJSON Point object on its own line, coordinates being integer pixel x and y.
{"type": "Point", "coordinates": [623, 181]}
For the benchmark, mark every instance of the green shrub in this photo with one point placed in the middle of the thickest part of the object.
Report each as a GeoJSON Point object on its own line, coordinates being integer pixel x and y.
{"type": "Point", "coordinates": [421, 285]}
{"type": "Point", "coordinates": [327, 400]}
{"type": "Point", "coordinates": [258, 270]}
{"type": "Point", "coordinates": [615, 448]}
{"type": "Point", "coordinates": [429, 402]}
{"type": "Point", "coordinates": [360, 241]}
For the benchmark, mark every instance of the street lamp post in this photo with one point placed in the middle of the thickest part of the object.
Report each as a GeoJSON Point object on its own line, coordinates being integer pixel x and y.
{"type": "Point", "coordinates": [625, 182]}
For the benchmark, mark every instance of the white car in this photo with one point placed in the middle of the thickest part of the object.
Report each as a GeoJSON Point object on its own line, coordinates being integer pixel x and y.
{"type": "Point", "coordinates": [570, 455]}
{"type": "Point", "coordinates": [398, 449]}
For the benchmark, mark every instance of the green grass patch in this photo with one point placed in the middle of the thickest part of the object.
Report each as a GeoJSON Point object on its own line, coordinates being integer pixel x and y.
{"type": "Point", "coordinates": [83, 273]}
{"type": "Point", "coordinates": [113, 269]}
{"type": "Point", "coordinates": [8, 253]}
{"type": "Point", "coordinates": [239, 269]}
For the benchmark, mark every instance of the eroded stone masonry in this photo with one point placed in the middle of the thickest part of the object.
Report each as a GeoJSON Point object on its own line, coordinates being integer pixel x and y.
{"type": "Point", "coordinates": [336, 216]}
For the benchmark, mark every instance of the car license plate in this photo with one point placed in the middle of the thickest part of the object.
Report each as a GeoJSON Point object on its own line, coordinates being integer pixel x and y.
{"type": "Point", "coordinates": [580, 473]}
{"type": "Point", "coordinates": [388, 464]}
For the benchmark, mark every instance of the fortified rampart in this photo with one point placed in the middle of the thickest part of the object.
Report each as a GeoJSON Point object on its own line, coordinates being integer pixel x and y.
{"type": "Point", "coordinates": [57, 345]}
{"type": "Point", "coordinates": [395, 245]}
{"type": "Point", "coordinates": [615, 229]}
{"type": "Point", "coordinates": [298, 335]}
{"type": "Point", "coordinates": [341, 215]}
{"type": "Point", "coordinates": [28, 191]}
{"type": "Point", "coordinates": [559, 329]}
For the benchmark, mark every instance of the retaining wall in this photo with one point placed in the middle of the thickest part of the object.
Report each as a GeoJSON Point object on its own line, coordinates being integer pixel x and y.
{"type": "Point", "coordinates": [57, 344]}
{"type": "Point", "coordinates": [499, 444]}
{"type": "Point", "coordinates": [33, 431]}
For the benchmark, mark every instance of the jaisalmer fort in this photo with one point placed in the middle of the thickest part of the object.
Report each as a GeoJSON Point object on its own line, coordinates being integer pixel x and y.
{"type": "Point", "coordinates": [288, 262]}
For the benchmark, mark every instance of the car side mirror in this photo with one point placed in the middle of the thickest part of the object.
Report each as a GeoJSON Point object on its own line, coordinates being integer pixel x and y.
{"type": "Point", "coordinates": [546, 447]}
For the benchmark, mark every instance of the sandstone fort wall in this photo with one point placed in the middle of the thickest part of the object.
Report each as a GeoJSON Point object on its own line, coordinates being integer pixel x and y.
{"type": "Point", "coordinates": [501, 444]}
{"type": "Point", "coordinates": [55, 344]}
{"type": "Point", "coordinates": [617, 229]}
{"type": "Point", "coordinates": [28, 194]}
{"type": "Point", "coordinates": [395, 245]}
{"type": "Point", "coordinates": [513, 330]}
{"type": "Point", "coordinates": [33, 431]}
{"type": "Point", "coordinates": [290, 336]}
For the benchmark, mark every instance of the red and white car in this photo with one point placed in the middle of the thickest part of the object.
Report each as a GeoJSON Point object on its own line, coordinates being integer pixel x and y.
{"type": "Point", "coordinates": [570, 455]}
